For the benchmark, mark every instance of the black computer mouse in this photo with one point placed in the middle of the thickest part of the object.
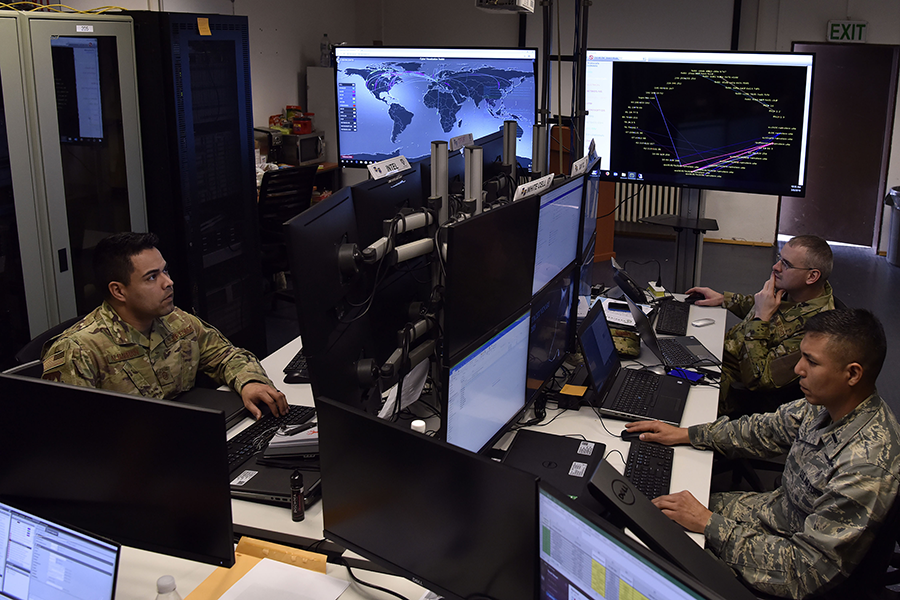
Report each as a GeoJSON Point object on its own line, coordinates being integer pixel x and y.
{"type": "Point", "coordinates": [630, 436]}
{"type": "Point", "coordinates": [693, 297]}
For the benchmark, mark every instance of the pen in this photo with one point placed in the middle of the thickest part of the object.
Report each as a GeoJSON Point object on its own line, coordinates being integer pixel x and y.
{"type": "Point", "coordinates": [298, 429]}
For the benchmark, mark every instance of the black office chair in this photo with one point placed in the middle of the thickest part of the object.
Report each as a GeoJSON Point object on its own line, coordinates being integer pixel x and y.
{"type": "Point", "coordinates": [283, 194]}
{"type": "Point", "coordinates": [28, 358]}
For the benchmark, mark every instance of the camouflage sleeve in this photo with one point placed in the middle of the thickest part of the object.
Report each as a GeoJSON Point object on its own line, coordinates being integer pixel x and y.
{"type": "Point", "coordinates": [832, 541]}
{"type": "Point", "coordinates": [767, 358]}
{"type": "Point", "coordinates": [225, 363]}
{"type": "Point", "coordinates": [67, 362]}
{"type": "Point", "coordinates": [739, 304]}
{"type": "Point", "coordinates": [759, 435]}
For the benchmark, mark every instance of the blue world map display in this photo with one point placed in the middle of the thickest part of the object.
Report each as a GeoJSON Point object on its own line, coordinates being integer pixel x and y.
{"type": "Point", "coordinates": [389, 107]}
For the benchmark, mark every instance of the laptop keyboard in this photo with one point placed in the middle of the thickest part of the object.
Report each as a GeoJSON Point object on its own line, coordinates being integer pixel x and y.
{"type": "Point", "coordinates": [637, 394]}
{"type": "Point", "coordinates": [649, 468]}
{"type": "Point", "coordinates": [673, 318]}
{"type": "Point", "coordinates": [297, 371]}
{"type": "Point", "coordinates": [675, 354]}
{"type": "Point", "coordinates": [257, 436]}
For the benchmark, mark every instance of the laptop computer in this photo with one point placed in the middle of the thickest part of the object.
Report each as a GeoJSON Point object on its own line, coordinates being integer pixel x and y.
{"type": "Point", "coordinates": [45, 559]}
{"type": "Point", "coordinates": [270, 484]}
{"type": "Point", "coordinates": [681, 351]}
{"type": "Point", "coordinates": [227, 401]}
{"type": "Point", "coordinates": [564, 462]}
{"type": "Point", "coordinates": [613, 386]}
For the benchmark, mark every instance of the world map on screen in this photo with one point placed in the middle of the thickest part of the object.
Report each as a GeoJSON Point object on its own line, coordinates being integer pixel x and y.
{"type": "Point", "coordinates": [399, 107]}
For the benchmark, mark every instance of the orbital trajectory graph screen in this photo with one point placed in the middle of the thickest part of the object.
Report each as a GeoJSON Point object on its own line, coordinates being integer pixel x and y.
{"type": "Point", "coordinates": [717, 120]}
{"type": "Point", "coordinates": [393, 101]}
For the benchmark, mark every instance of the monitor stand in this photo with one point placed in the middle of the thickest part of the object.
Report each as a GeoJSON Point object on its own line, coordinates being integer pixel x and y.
{"type": "Point", "coordinates": [689, 226]}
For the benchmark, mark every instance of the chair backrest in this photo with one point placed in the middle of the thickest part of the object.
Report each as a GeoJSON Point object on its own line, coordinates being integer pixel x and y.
{"type": "Point", "coordinates": [32, 350]}
{"type": "Point", "coordinates": [284, 194]}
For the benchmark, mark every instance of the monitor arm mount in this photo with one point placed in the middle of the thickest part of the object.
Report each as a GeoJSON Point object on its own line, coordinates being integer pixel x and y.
{"type": "Point", "coordinates": [351, 258]}
{"type": "Point", "coordinates": [404, 358]}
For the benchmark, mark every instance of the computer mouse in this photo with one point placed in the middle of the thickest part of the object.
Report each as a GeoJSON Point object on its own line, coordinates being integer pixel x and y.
{"type": "Point", "coordinates": [693, 297]}
{"type": "Point", "coordinates": [630, 436]}
{"type": "Point", "coordinates": [658, 369]}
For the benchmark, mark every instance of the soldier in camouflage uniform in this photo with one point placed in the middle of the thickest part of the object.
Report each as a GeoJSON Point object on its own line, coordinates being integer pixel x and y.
{"type": "Point", "coordinates": [761, 351]}
{"type": "Point", "coordinates": [840, 478]}
{"type": "Point", "coordinates": [138, 342]}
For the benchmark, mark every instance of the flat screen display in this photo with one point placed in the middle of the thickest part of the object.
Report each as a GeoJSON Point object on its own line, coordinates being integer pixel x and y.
{"type": "Point", "coordinates": [393, 101]}
{"type": "Point", "coordinates": [717, 120]}
{"type": "Point", "coordinates": [551, 334]}
{"type": "Point", "coordinates": [487, 388]}
{"type": "Point", "coordinates": [558, 225]}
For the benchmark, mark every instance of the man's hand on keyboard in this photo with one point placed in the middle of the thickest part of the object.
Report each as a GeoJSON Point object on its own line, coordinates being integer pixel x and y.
{"type": "Point", "coordinates": [685, 510]}
{"type": "Point", "coordinates": [254, 392]}
{"type": "Point", "coordinates": [659, 432]}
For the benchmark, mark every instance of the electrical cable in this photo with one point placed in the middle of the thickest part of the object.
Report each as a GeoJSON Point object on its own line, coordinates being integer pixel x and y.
{"type": "Point", "coordinates": [344, 562]}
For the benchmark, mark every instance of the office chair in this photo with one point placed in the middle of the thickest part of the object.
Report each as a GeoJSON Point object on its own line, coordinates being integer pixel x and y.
{"type": "Point", "coordinates": [283, 194]}
{"type": "Point", "coordinates": [28, 358]}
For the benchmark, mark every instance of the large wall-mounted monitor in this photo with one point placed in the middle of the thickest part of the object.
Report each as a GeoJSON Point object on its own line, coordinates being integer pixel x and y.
{"type": "Point", "coordinates": [717, 120]}
{"type": "Point", "coordinates": [394, 101]}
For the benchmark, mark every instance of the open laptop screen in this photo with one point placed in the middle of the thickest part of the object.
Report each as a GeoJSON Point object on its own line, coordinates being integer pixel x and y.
{"type": "Point", "coordinates": [598, 349]}
{"type": "Point", "coordinates": [43, 559]}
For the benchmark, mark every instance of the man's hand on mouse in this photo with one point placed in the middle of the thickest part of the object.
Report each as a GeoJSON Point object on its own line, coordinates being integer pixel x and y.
{"type": "Point", "coordinates": [710, 296]}
{"type": "Point", "coordinates": [255, 393]}
{"type": "Point", "coordinates": [659, 432]}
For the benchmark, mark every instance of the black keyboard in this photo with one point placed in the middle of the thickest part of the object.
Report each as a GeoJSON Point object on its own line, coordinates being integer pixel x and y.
{"type": "Point", "coordinates": [673, 317]}
{"type": "Point", "coordinates": [256, 437]}
{"type": "Point", "coordinates": [649, 468]}
{"type": "Point", "coordinates": [675, 354]}
{"type": "Point", "coordinates": [637, 394]}
{"type": "Point", "coordinates": [297, 371]}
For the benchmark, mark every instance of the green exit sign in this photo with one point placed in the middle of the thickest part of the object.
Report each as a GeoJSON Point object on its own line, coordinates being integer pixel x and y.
{"type": "Point", "coordinates": [846, 31]}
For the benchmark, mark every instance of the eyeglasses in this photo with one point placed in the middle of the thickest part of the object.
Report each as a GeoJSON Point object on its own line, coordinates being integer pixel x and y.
{"type": "Point", "coordinates": [788, 265]}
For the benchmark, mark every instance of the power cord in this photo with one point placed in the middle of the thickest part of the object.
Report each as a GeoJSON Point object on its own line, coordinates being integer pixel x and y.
{"type": "Point", "coordinates": [344, 562]}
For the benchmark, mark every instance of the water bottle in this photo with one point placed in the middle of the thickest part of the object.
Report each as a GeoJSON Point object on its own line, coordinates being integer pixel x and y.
{"type": "Point", "coordinates": [165, 588]}
{"type": "Point", "coordinates": [325, 52]}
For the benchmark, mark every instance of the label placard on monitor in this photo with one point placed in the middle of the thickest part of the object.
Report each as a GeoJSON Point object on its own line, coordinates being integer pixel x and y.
{"type": "Point", "coordinates": [460, 141]}
{"type": "Point", "coordinates": [580, 166]}
{"type": "Point", "coordinates": [388, 167]}
{"type": "Point", "coordinates": [533, 187]}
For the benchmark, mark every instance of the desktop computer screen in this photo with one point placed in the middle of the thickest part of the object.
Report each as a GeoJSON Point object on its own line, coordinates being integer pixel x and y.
{"type": "Point", "coordinates": [589, 209]}
{"type": "Point", "coordinates": [457, 523]}
{"type": "Point", "coordinates": [586, 275]}
{"type": "Point", "coordinates": [558, 226]}
{"type": "Point", "coordinates": [393, 101]}
{"type": "Point", "coordinates": [729, 121]}
{"type": "Point", "coordinates": [146, 473]}
{"type": "Point", "coordinates": [486, 389]}
{"type": "Point", "coordinates": [40, 558]}
{"type": "Point", "coordinates": [376, 201]}
{"type": "Point", "coordinates": [583, 556]}
{"type": "Point", "coordinates": [489, 268]}
{"type": "Point", "coordinates": [551, 335]}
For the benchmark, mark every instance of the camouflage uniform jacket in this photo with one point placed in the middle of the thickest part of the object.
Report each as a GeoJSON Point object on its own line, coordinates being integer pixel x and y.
{"type": "Point", "coordinates": [102, 351]}
{"type": "Point", "coordinates": [766, 351]}
{"type": "Point", "coordinates": [839, 482]}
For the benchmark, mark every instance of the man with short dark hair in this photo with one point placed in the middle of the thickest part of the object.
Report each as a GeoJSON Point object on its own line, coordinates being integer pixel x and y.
{"type": "Point", "coordinates": [138, 342]}
{"type": "Point", "coordinates": [761, 351]}
{"type": "Point", "coordinates": [840, 477]}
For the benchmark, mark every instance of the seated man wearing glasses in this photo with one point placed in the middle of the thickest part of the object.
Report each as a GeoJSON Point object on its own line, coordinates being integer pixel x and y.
{"type": "Point", "coordinates": [761, 351]}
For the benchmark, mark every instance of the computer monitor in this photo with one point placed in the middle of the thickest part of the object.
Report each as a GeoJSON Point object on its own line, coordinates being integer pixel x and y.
{"type": "Point", "coordinates": [583, 556]}
{"type": "Point", "coordinates": [551, 335]}
{"type": "Point", "coordinates": [486, 389]}
{"type": "Point", "coordinates": [459, 524]}
{"type": "Point", "coordinates": [40, 558]}
{"type": "Point", "coordinates": [76, 71]}
{"type": "Point", "coordinates": [394, 101]}
{"type": "Point", "coordinates": [558, 227]}
{"type": "Point", "coordinates": [146, 473]}
{"type": "Point", "coordinates": [730, 121]}
{"type": "Point", "coordinates": [589, 210]}
{"type": "Point", "coordinates": [489, 270]}
{"type": "Point", "coordinates": [586, 274]}
{"type": "Point", "coordinates": [377, 200]}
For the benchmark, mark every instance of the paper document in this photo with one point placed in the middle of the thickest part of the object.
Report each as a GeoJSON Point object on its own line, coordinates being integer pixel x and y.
{"type": "Point", "coordinates": [274, 580]}
{"type": "Point", "coordinates": [621, 317]}
{"type": "Point", "coordinates": [413, 384]}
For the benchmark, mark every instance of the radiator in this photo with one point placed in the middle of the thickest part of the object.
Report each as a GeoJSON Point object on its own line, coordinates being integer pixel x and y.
{"type": "Point", "coordinates": [645, 201]}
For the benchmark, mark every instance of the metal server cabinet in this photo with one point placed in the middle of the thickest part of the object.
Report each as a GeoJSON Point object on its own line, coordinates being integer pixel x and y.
{"type": "Point", "coordinates": [196, 125]}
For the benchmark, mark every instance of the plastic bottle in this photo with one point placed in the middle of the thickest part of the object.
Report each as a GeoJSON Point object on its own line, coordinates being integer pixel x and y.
{"type": "Point", "coordinates": [325, 52]}
{"type": "Point", "coordinates": [165, 588]}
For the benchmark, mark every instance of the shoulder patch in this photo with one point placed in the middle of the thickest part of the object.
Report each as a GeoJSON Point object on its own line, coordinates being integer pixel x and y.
{"type": "Point", "coordinates": [54, 361]}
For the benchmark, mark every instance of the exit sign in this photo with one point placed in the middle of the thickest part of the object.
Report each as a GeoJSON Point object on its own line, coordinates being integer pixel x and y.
{"type": "Point", "coordinates": [846, 31]}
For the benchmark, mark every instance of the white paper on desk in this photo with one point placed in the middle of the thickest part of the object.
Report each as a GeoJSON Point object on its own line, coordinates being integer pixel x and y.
{"type": "Point", "coordinates": [621, 317]}
{"type": "Point", "coordinates": [413, 384]}
{"type": "Point", "coordinates": [585, 304]}
{"type": "Point", "coordinates": [275, 580]}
